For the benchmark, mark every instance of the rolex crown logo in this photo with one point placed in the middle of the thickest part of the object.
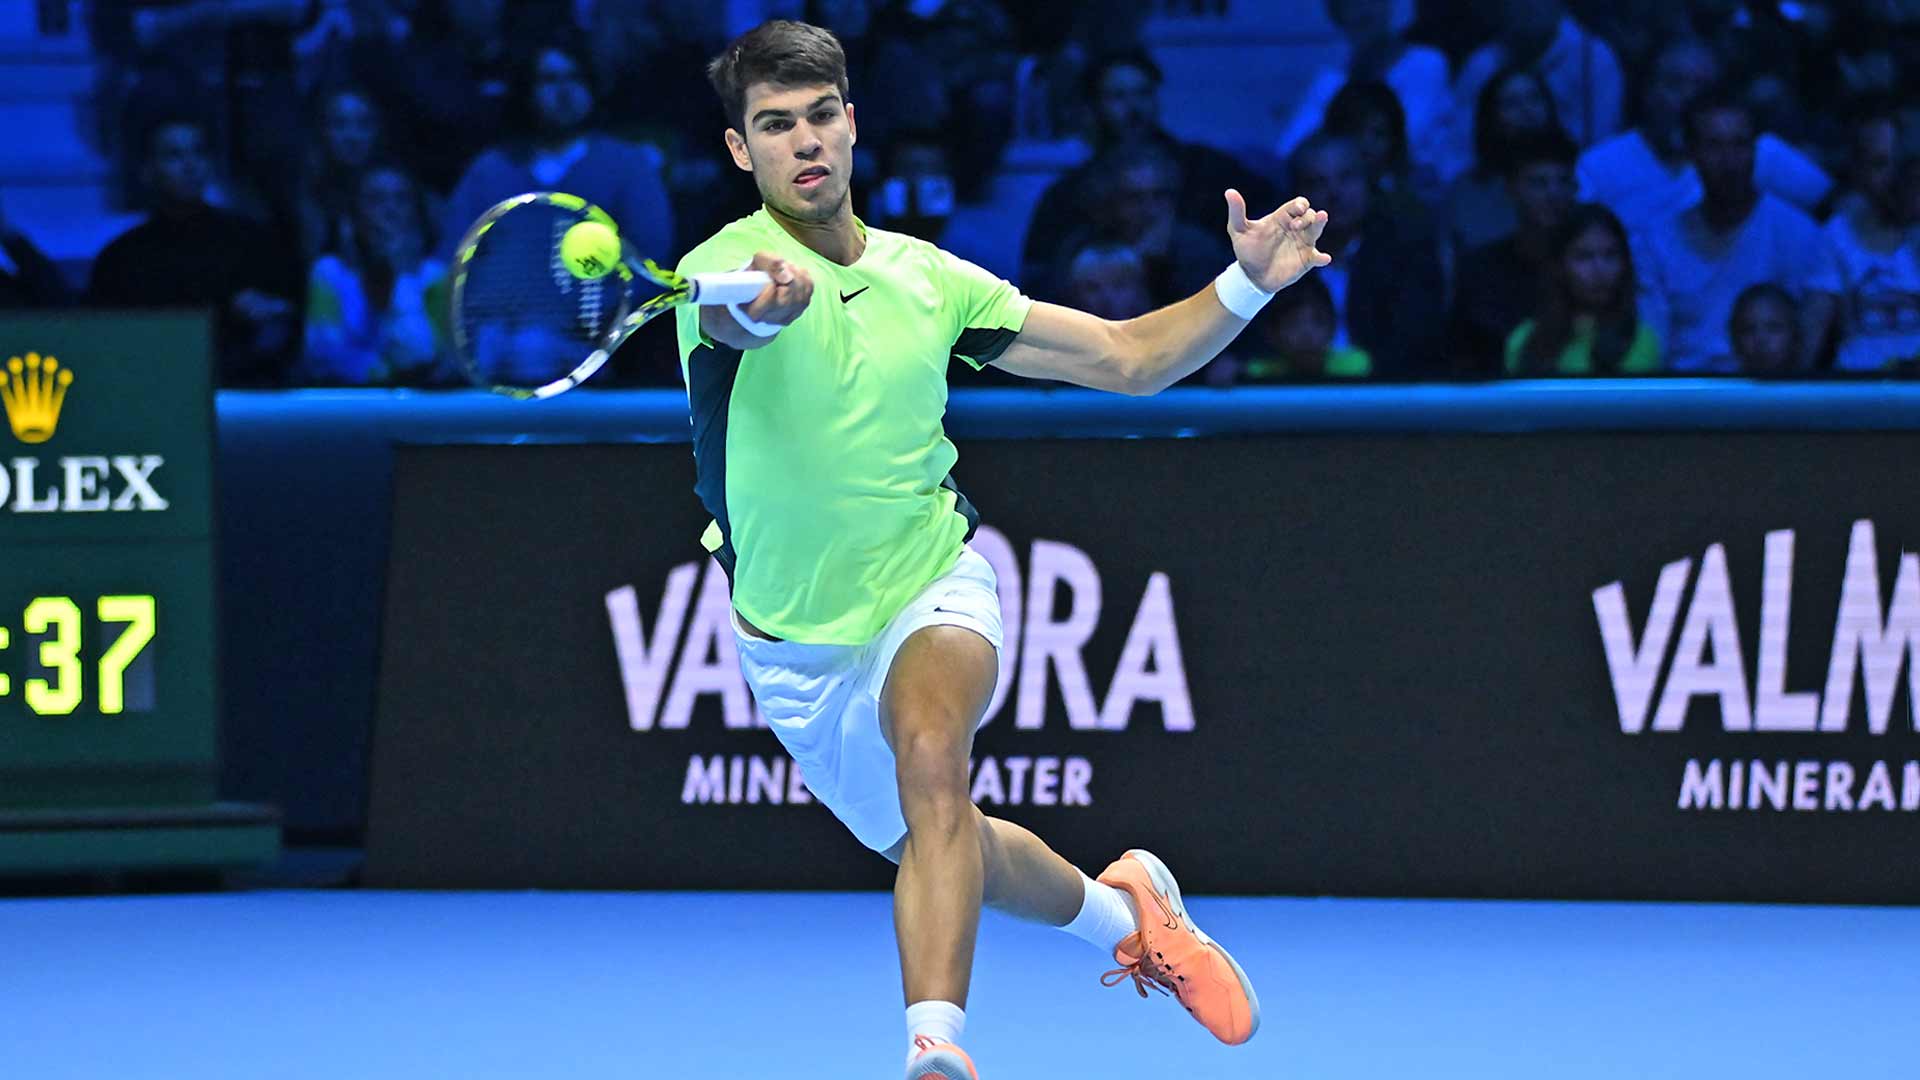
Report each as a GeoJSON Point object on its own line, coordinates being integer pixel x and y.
{"type": "Point", "coordinates": [32, 392]}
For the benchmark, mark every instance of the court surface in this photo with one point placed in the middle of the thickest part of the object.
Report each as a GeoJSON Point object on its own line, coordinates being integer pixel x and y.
{"type": "Point", "coordinates": [376, 985]}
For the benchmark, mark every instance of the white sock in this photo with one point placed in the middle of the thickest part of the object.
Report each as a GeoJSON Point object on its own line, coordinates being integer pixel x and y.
{"type": "Point", "coordinates": [1106, 915]}
{"type": "Point", "coordinates": [941, 1020]}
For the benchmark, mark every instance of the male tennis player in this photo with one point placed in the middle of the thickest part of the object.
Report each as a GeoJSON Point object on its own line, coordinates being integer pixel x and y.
{"type": "Point", "coordinates": [868, 629]}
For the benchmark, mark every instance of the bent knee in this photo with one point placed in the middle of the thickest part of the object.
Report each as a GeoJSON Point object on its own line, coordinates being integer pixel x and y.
{"type": "Point", "coordinates": [932, 774]}
{"type": "Point", "coordinates": [932, 758]}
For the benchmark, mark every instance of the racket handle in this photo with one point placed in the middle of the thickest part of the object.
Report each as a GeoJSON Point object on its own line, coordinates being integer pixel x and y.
{"type": "Point", "coordinates": [730, 287]}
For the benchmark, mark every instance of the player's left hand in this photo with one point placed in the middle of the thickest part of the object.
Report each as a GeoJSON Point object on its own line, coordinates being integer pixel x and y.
{"type": "Point", "coordinates": [1276, 250]}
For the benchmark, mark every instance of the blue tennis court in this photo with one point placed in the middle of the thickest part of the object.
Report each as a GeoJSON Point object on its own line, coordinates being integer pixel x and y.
{"type": "Point", "coordinates": [375, 985]}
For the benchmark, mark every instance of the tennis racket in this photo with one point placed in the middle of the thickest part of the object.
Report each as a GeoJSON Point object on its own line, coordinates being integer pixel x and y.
{"type": "Point", "coordinates": [525, 326]}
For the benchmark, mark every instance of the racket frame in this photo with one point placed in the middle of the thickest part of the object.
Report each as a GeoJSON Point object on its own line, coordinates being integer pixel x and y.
{"type": "Point", "coordinates": [627, 318]}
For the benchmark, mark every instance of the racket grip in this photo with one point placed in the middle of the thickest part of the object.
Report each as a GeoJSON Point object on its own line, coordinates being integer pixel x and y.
{"type": "Point", "coordinates": [729, 287]}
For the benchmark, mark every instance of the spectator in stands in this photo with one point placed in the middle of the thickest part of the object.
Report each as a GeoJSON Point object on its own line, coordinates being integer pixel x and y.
{"type": "Point", "coordinates": [1878, 249]}
{"type": "Point", "coordinates": [1125, 89]}
{"type": "Point", "coordinates": [1514, 107]}
{"type": "Point", "coordinates": [190, 254]}
{"type": "Point", "coordinates": [1133, 193]}
{"type": "Point", "coordinates": [1695, 264]}
{"type": "Point", "coordinates": [642, 45]}
{"type": "Point", "coordinates": [946, 65]}
{"type": "Point", "coordinates": [1586, 321]}
{"type": "Point", "coordinates": [1636, 29]}
{"type": "Point", "coordinates": [1293, 339]}
{"type": "Point", "coordinates": [915, 193]}
{"type": "Point", "coordinates": [232, 56]}
{"type": "Point", "coordinates": [1496, 285]}
{"type": "Point", "coordinates": [447, 88]}
{"type": "Point", "coordinates": [1646, 173]}
{"type": "Point", "coordinates": [1765, 331]}
{"type": "Point", "coordinates": [1108, 280]}
{"type": "Point", "coordinates": [1376, 52]}
{"type": "Point", "coordinates": [1873, 161]}
{"type": "Point", "coordinates": [340, 33]}
{"type": "Point", "coordinates": [1386, 281]}
{"type": "Point", "coordinates": [1873, 54]}
{"type": "Point", "coordinates": [378, 317]}
{"type": "Point", "coordinates": [1370, 115]}
{"type": "Point", "coordinates": [348, 125]}
{"type": "Point", "coordinates": [28, 279]}
{"type": "Point", "coordinates": [559, 149]}
{"type": "Point", "coordinates": [1580, 69]}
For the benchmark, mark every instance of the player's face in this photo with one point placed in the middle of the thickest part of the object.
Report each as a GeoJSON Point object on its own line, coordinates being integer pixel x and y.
{"type": "Point", "coordinates": [799, 147]}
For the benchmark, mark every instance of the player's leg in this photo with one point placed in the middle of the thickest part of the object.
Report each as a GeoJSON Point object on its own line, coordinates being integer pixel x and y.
{"type": "Point", "coordinates": [954, 859]}
{"type": "Point", "coordinates": [937, 687]}
{"type": "Point", "coordinates": [936, 690]}
{"type": "Point", "coordinates": [1026, 879]}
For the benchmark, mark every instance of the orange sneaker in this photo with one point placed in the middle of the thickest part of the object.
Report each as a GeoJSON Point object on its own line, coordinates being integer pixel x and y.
{"type": "Point", "coordinates": [1171, 955]}
{"type": "Point", "coordinates": [939, 1060]}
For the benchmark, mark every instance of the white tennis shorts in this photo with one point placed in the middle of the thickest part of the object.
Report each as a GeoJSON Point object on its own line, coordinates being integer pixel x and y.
{"type": "Point", "coordinates": [823, 701]}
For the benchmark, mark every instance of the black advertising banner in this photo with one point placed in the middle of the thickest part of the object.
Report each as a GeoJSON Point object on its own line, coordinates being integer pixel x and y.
{"type": "Point", "coordinates": [1559, 665]}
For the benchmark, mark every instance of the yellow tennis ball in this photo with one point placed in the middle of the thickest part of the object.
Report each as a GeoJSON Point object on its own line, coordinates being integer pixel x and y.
{"type": "Point", "coordinates": [590, 250]}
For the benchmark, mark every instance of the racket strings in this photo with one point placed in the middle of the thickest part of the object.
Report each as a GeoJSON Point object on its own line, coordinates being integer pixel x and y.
{"type": "Point", "coordinates": [526, 319]}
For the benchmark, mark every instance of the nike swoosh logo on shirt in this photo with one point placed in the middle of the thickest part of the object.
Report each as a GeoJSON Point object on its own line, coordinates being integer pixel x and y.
{"type": "Point", "coordinates": [844, 297]}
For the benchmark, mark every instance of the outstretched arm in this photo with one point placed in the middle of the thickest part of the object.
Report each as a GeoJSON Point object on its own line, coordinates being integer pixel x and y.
{"type": "Point", "coordinates": [1147, 354]}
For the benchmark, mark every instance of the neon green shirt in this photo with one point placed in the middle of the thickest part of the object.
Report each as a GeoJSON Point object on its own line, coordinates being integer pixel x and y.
{"type": "Point", "coordinates": [1642, 358]}
{"type": "Point", "coordinates": [821, 455]}
{"type": "Point", "coordinates": [1341, 363]}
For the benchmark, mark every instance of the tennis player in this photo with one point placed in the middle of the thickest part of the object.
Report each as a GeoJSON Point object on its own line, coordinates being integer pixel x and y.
{"type": "Point", "coordinates": [868, 629]}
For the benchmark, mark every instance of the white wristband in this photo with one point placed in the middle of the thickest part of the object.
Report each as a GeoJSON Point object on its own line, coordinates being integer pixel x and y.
{"type": "Point", "coordinates": [751, 325]}
{"type": "Point", "coordinates": [1238, 292]}
{"type": "Point", "coordinates": [748, 323]}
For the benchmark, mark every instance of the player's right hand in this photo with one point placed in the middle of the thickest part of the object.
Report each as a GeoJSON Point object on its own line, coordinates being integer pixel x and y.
{"type": "Point", "coordinates": [786, 297]}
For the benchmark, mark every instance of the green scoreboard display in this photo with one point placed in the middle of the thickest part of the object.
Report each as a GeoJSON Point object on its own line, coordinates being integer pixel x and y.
{"type": "Point", "coordinates": [109, 689]}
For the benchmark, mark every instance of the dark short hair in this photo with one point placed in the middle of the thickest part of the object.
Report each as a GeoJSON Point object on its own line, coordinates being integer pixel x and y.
{"type": "Point", "coordinates": [1725, 96]}
{"type": "Point", "coordinates": [1753, 294]}
{"type": "Point", "coordinates": [781, 52]}
{"type": "Point", "coordinates": [1133, 58]}
{"type": "Point", "coordinates": [1551, 146]}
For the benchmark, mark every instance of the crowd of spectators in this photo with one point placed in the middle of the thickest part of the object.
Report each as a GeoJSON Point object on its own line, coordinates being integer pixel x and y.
{"type": "Point", "coordinates": [1514, 188]}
